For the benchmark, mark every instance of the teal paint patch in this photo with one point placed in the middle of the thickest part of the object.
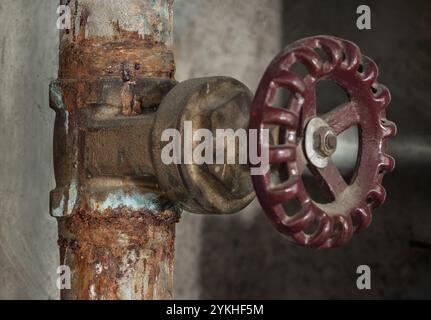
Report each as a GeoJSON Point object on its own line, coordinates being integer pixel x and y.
{"type": "Point", "coordinates": [134, 201]}
{"type": "Point", "coordinates": [73, 197]}
{"type": "Point", "coordinates": [56, 92]}
{"type": "Point", "coordinates": [165, 31]}
{"type": "Point", "coordinates": [156, 21]}
{"type": "Point", "coordinates": [59, 211]}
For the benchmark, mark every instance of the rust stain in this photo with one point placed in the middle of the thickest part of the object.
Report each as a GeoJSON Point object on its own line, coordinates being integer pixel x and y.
{"type": "Point", "coordinates": [83, 20]}
{"type": "Point", "coordinates": [123, 33]}
{"type": "Point", "coordinates": [93, 58]}
{"type": "Point", "coordinates": [112, 253]}
{"type": "Point", "coordinates": [131, 104]}
{"type": "Point", "coordinates": [85, 57]}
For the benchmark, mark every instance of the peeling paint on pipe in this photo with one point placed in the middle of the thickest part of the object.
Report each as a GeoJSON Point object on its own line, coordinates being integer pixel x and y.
{"type": "Point", "coordinates": [119, 256]}
{"type": "Point", "coordinates": [104, 34]}
{"type": "Point", "coordinates": [134, 201]}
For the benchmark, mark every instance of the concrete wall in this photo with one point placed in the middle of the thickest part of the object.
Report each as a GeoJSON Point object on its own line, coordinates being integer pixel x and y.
{"type": "Point", "coordinates": [239, 256]}
{"type": "Point", "coordinates": [28, 235]}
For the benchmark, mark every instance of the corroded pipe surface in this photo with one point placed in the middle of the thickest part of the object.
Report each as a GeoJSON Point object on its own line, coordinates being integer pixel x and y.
{"type": "Point", "coordinates": [105, 34]}
{"type": "Point", "coordinates": [123, 255]}
{"type": "Point", "coordinates": [115, 233]}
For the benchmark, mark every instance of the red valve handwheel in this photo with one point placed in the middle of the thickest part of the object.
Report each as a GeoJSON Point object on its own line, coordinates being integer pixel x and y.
{"type": "Point", "coordinates": [350, 211]}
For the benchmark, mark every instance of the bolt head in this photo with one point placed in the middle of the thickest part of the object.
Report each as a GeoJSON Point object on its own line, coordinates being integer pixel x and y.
{"type": "Point", "coordinates": [331, 141]}
{"type": "Point", "coordinates": [325, 141]}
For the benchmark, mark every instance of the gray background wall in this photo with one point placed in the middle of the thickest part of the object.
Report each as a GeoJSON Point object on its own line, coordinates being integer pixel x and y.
{"type": "Point", "coordinates": [28, 61]}
{"type": "Point", "coordinates": [239, 256]}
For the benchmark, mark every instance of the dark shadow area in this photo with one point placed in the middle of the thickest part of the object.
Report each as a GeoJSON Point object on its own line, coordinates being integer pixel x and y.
{"type": "Point", "coordinates": [252, 261]}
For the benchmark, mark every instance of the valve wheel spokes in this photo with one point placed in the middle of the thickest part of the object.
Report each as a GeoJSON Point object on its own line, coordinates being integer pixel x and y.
{"type": "Point", "coordinates": [308, 141]}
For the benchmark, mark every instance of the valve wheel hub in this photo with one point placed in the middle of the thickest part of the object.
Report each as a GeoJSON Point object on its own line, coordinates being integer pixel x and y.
{"type": "Point", "coordinates": [320, 142]}
{"type": "Point", "coordinates": [308, 141]}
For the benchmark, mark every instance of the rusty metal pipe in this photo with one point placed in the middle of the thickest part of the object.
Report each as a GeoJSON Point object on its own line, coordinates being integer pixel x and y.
{"type": "Point", "coordinates": [115, 234]}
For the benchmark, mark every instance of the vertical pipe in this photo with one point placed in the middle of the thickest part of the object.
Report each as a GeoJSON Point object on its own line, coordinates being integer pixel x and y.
{"type": "Point", "coordinates": [119, 244]}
